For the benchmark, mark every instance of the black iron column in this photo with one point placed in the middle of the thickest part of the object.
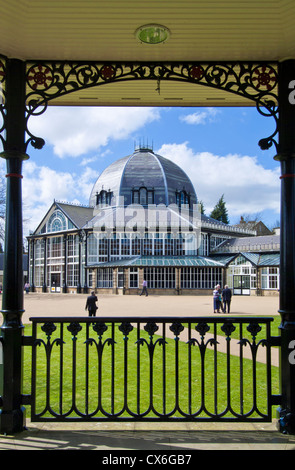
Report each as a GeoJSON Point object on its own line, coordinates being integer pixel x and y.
{"type": "Point", "coordinates": [32, 254]}
{"type": "Point", "coordinates": [44, 287]}
{"type": "Point", "coordinates": [85, 289]}
{"type": "Point", "coordinates": [286, 156]}
{"type": "Point", "coordinates": [79, 288]}
{"type": "Point", "coordinates": [64, 284]}
{"type": "Point", "coordinates": [12, 412]}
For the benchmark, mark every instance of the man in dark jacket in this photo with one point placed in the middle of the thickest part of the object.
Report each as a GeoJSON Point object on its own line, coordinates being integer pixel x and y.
{"type": "Point", "coordinates": [91, 304]}
{"type": "Point", "coordinates": [226, 296]}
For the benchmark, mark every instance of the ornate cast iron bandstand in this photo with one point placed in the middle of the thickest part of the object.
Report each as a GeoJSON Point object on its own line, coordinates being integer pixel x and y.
{"type": "Point", "coordinates": [30, 82]}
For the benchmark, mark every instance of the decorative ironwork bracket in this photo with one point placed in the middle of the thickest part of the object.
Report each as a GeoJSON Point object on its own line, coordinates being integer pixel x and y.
{"type": "Point", "coordinates": [47, 81]}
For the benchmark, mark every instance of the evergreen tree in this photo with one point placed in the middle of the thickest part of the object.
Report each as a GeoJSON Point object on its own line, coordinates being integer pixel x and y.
{"type": "Point", "coordinates": [220, 211]}
{"type": "Point", "coordinates": [202, 208]}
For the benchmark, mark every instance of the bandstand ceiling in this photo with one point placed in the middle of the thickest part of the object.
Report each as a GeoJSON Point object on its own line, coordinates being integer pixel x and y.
{"type": "Point", "coordinates": [104, 30]}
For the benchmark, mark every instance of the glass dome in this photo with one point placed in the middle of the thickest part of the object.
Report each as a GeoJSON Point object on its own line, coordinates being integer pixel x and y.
{"type": "Point", "coordinates": [145, 178]}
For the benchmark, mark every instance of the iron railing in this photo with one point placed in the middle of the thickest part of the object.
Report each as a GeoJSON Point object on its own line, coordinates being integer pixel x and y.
{"type": "Point", "coordinates": [151, 368]}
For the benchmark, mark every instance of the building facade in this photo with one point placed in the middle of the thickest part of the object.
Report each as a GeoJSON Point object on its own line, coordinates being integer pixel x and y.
{"type": "Point", "coordinates": [143, 223]}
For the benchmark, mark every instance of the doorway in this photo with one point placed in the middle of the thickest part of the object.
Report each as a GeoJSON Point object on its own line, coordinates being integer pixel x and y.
{"type": "Point", "coordinates": [241, 285]}
{"type": "Point", "coordinates": [120, 278]}
{"type": "Point", "coordinates": [55, 282]}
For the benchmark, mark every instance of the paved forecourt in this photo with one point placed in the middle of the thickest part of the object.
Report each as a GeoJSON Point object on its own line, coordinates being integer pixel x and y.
{"type": "Point", "coordinates": [39, 305]}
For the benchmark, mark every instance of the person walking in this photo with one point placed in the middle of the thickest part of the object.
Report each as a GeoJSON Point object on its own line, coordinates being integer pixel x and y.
{"type": "Point", "coordinates": [144, 288]}
{"type": "Point", "coordinates": [216, 299]}
{"type": "Point", "coordinates": [91, 304]}
{"type": "Point", "coordinates": [226, 295]}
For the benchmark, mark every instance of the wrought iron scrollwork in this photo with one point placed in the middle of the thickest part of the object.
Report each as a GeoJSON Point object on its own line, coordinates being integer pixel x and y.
{"type": "Point", "coordinates": [125, 328]}
{"type": "Point", "coordinates": [46, 81]}
{"type": "Point", "coordinates": [151, 328]}
{"type": "Point", "coordinates": [74, 328]}
{"type": "Point", "coordinates": [100, 328]}
{"type": "Point", "coordinates": [50, 80]}
{"type": "Point", "coordinates": [202, 328]}
{"type": "Point", "coordinates": [176, 328]}
{"type": "Point", "coordinates": [228, 328]}
{"type": "Point", "coordinates": [254, 329]}
{"type": "Point", "coordinates": [48, 328]}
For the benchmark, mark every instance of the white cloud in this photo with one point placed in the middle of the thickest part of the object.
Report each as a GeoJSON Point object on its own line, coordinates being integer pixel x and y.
{"type": "Point", "coordinates": [248, 187]}
{"type": "Point", "coordinates": [85, 161]}
{"type": "Point", "coordinates": [75, 131]}
{"type": "Point", "coordinates": [200, 117]}
{"type": "Point", "coordinates": [41, 185]}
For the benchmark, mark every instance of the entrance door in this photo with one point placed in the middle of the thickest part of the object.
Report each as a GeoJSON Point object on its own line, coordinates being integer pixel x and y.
{"type": "Point", "coordinates": [55, 282]}
{"type": "Point", "coordinates": [120, 278]}
{"type": "Point", "coordinates": [241, 285]}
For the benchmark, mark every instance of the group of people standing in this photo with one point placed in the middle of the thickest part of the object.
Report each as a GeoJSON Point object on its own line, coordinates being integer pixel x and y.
{"type": "Point", "coordinates": [221, 299]}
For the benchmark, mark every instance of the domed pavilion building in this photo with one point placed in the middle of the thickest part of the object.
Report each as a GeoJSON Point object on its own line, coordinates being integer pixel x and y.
{"type": "Point", "coordinates": [142, 223]}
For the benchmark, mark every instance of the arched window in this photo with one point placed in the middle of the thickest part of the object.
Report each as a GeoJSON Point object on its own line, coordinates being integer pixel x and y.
{"type": "Point", "coordinates": [104, 198]}
{"type": "Point", "coordinates": [143, 196]}
{"type": "Point", "coordinates": [182, 197]}
{"type": "Point", "coordinates": [57, 222]}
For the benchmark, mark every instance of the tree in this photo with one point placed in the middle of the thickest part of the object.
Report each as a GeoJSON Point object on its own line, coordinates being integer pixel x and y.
{"type": "Point", "coordinates": [220, 211]}
{"type": "Point", "coordinates": [202, 208]}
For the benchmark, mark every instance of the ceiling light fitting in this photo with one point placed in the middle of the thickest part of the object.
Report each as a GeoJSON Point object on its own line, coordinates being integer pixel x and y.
{"type": "Point", "coordinates": [152, 34]}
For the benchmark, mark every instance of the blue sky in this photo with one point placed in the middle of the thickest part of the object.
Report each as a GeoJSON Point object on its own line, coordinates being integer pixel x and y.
{"type": "Point", "coordinates": [217, 147]}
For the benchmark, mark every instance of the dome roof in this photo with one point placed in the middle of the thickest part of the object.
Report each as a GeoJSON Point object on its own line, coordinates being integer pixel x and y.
{"type": "Point", "coordinates": [143, 170]}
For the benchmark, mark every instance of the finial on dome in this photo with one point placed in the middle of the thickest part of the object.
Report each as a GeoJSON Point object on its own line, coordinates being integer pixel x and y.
{"type": "Point", "coordinates": [143, 146]}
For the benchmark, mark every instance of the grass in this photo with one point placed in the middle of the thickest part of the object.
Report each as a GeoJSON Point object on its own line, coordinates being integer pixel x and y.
{"type": "Point", "coordinates": [133, 382]}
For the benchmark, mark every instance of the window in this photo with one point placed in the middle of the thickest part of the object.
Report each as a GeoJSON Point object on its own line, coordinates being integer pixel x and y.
{"type": "Point", "coordinates": [158, 246]}
{"type": "Point", "coordinates": [92, 248]}
{"type": "Point", "coordinates": [115, 246]}
{"type": "Point", "coordinates": [160, 278]}
{"type": "Point", "coordinates": [241, 267]}
{"type": "Point", "coordinates": [73, 260]}
{"type": "Point", "coordinates": [104, 198]}
{"type": "Point", "coordinates": [39, 262]}
{"type": "Point", "coordinates": [73, 248]}
{"type": "Point", "coordinates": [133, 278]}
{"type": "Point", "coordinates": [55, 248]}
{"type": "Point", "coordinates": [135, 196]}
{"type": "Point", "coordinates": [200, 278]}
{"type": "Point", "coordinates": [102, 249]}
{"type": "Point", "coordinates": [105, 278]}
{"type": "Point", "coordinates": [270, 278]}
{"type": "Point", "coordinates": [125, 246]}
{"type": "Point", "coordinates": [182, 197]}
{"type": "Point", "coordinates": [97, 249]}
{"type": "Point", "coordinates": [204, 247]}
{"type": "Point", "coordinates": [57, 222]}
{"type": "Point", "coordinates": [72, 275]}
{"type": "Point", "coordinates": [169, 244]}
{"type": "Point", "coordinates": [180, 246]}
{"type": "Point", "coordinates": [147, 246]}
{"type": "Point", "coordinates": [136, 242]}
{"type": "Point", "coordinates": [142, 196]}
